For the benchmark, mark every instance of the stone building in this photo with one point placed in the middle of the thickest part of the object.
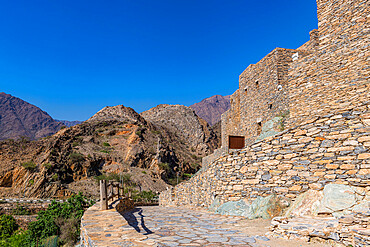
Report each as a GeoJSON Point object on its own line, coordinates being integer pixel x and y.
{"type": "Point", "coordinates": [318, 98]}
{"type": "Point", "coordinates": [326, 74]}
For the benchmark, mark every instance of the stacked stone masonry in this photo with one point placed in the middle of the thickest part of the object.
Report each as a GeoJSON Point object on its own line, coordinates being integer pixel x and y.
{"type": "Point", "coordinates": [321, 93]}
{"type": "Point", "coordinates": [330, 73]}
{"type": "Point", "coordinates": [328, 149]}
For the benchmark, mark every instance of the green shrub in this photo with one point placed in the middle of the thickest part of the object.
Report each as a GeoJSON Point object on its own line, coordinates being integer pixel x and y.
{"type": "Point", "coordinates": [29, 165]}
{"type": "Point", "coordinates": [144, 172]}
{"type": "Point", "coordinates": [69, 230]}
{"type": "Point", "coordinates": [55, 177]}
{"type": "Point", "coordinates": [175, 181]}
{"type": "Point", "coordinates": [156, 132]}
{"type": "Point", "coordinates": [194, 156]}
{"type": "Point", "coordinates": [48, 166]}
{"type": "Point", "coordinates": [124, 177]}
{"type": "Point", "coordinates": [164, 166]}
{"type": "Point", "coordinates": [143, 196]}
{"type": "Point", "coordinates": [195, 166]}
{"type": "Point", "coordinates": [8, 226]}
{"type": "Point", "coordinates": [21, 210]}
{"type": "Point", "coordinates": [104, 151]}
{"type": "Point", "coordinates": [31, 182]}
{"type": "Point", "coordinates": [54, 220]}
{"type": "Point", "coordinates": [76, 157]}
{"type": "Point", "coordinates": [75, 144]}
{"type": "Point", "coordinates": [18, 239]}
{"type": "Point", "coordinates": [139, 133]}
{"type": "Point", "coordinates": [106, 144]}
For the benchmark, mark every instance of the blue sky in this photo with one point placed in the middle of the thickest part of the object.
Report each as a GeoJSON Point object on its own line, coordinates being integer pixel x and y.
{"type": "Point", "coordinates": [72, 58]}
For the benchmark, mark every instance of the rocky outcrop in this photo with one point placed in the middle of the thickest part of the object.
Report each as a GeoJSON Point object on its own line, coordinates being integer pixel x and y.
{"type": "Point", "coordinates": [117, 113]}
{"type": "Point", "coordinates": [21, 119]}
{"type": "Point", "coordinates": [115, 140]}
{"type": "Point", "coordinates": [338, 213]}
{"type": "Point", "coordinates": [185, 125]}
{"type": "Point", "coordinates": [211, 109]}
{"type": "Point", "coordinates": [263, 207]}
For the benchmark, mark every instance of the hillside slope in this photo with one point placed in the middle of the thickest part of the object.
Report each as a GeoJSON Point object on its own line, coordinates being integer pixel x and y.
{"type": "Point", "coordinates": [21, 119]}
{"type": "Point", "coordinates": [114, 140]}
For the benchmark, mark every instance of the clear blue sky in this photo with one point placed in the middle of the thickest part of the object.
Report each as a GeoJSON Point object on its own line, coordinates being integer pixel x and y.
{"type": "Point", "coordinates": [73, 57]}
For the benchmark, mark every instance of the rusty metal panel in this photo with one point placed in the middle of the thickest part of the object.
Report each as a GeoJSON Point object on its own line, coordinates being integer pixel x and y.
{"type": "Point", "coordinates": [236, 142]}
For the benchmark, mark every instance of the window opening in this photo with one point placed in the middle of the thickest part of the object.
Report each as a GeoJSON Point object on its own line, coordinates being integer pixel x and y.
{"type": "Point", "coordinates": [236, 142]}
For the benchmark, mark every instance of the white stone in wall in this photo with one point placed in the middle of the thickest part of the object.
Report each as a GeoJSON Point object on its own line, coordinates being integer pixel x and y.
{"type": "Point", "coordinates": [295, 56]}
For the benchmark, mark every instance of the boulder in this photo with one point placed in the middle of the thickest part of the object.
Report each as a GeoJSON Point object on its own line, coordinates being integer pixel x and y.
{"type": "Point", "coordinates": [214, 205]}
{"type": "Point", "coordinates": [235, 208]}
{"type": "Point", "coordinates": [261, 207]}
{"type": "Point", "coordinates": [270, 128]}
{"type": "Point", "coordinates": [305, 204]}
{"type": "Point", "coordinates": [337, 197]}
{"type": "Point", "coordinates": [265, 207]}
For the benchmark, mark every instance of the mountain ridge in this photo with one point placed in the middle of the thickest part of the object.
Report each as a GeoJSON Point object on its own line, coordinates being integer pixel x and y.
{"type": "Point", "coordinates": [211, 109]}
{"type": "Point", "coordinates": [19, 118]}
{"type": "Point", "coordinates": [114, 140]}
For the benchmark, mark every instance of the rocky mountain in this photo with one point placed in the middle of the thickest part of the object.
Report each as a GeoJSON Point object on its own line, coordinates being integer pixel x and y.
{"type": "Point", "coordinates": [69, 123]}
{"type": "Point", "coordinates": [184, 123]}
{"type": "Point", "coordinates": [21, 119]}
{"type": "Point", "coordinates": [210, 109]}
{"type": "Point", "coordinates": [154, 149]}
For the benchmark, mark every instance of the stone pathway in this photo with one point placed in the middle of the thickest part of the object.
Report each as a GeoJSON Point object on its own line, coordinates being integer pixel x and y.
{"type": "Point", "coordinates": [171, 226]}
{"type": "Point", "coordinates": [184, 227]}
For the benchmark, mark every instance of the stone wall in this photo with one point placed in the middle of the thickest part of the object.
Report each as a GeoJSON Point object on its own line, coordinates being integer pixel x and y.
{"type": "Point", "coordinates": [326, 149]}
{"type": "Point", "coordinates": [331, 73]}
{"type": "Point", "coordinates": [310, 46]}
{"type": "Point", "coordinates": [206, 161]}
{"type": "Point", "coordinates": [337, 75]}
{"type": "Point", "coordinates": [260, 97]}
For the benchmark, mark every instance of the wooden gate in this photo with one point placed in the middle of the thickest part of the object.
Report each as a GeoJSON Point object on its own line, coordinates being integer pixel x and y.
{"type": "Point", "coordinates": [236, 142]}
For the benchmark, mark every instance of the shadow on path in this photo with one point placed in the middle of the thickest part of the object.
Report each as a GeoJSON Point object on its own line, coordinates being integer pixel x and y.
{"type": "Point", "coordinates": [133, 221]}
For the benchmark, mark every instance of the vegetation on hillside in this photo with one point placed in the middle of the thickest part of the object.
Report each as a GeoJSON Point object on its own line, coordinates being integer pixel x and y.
{"type": "Point", "coordinates": [58, 225]}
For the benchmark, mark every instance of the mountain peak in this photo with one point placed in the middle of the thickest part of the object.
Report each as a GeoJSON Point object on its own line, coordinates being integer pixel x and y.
{"type": "Point", "coordinates": [119, 113]}
{"type": "Point", "coordinates": [210, 109]}
{"type": "Point", "coordinates": [20, 118]}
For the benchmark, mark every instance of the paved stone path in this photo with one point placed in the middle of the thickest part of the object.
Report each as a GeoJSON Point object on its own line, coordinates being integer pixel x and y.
{"type": "Point", "coordinates": [171, 226]}
{"type": "Point", "coordinates": [185, 227]}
